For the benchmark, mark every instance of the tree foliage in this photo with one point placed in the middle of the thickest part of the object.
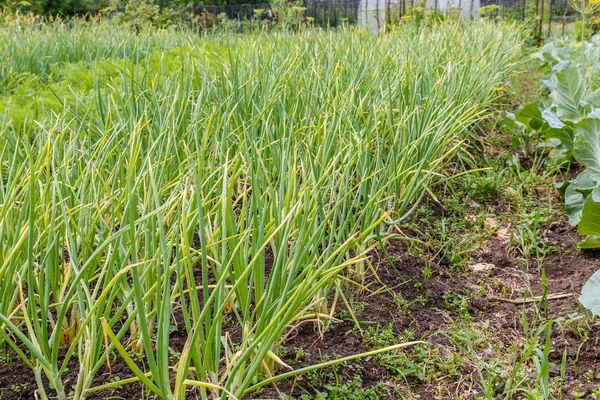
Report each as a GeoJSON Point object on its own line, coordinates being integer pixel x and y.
{"type": "Point", "coordinates": [74, 7]}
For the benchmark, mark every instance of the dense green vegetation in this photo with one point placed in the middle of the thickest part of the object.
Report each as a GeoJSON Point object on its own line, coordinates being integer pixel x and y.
{"type": "Point", "coordinates": [73, 7]}
{"type": "Point", "coordinates": [228, 181]}
{"type": "Point", "coordinates": [570, 128]}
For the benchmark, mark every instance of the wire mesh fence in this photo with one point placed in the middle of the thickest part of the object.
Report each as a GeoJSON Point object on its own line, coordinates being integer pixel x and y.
{"type": "Point", "coordinates": [233, 11]}
{"type": "Point", "coordinates": [332, 13]}
{"type": "Point", "coordinates": [329, 13]}
{"type": "Point", "coordinates": [547, 16]}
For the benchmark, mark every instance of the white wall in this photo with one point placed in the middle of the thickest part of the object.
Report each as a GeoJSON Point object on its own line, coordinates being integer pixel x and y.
{"type": "Point", "coordinates": [467, 7]}
{"type": "Point", "coordinates": [372, 13]}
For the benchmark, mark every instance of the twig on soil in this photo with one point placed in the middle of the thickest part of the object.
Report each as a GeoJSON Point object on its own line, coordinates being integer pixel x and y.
{"type": "Point", "coordinates": [532, 299]}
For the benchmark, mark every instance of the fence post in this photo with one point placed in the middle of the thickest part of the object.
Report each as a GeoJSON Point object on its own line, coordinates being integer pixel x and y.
{"type": "Point", "coordinates": [550, 18]}
{"type": "Point", "coordinates": [387, 11]}
{"type": "Point", "coordinates": [365, 15]}
{"type": "Point", "coordinates": [564, 18]}
{"type": "Point", "coordinates": [335, 13]}
{"type": "Point", "coordinates": [377, 14]}
{"type": "Point", "coordinates": [541, 19]}
{"type": "Point", "coordinates": [270, 17]}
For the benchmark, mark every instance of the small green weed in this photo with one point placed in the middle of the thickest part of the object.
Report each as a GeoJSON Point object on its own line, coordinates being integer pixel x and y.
{"type": "Point", "coordinates": [421, 362]}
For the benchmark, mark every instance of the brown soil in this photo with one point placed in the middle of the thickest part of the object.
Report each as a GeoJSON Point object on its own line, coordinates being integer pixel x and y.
{"type": "Point", "coordinates": [567, 270]}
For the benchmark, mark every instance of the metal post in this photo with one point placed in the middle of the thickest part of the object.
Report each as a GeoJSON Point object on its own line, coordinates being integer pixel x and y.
{"type": "Point", "coordinates": [251, 17]}
{"type": "Point", "coordinates": [564, 18]}
{"type": "Point", "coordinates": [335, 13]}
{"type": "Point", "coordinates": [377, 14]}
{"type": "Point", "coordinates": [387, 6]}
{"type": "Point", "coordinates": [365, 15]}
{"type": "Point", "coordinates": [550, 18]}
{"type": "Point", "coordinates": [541, 19]}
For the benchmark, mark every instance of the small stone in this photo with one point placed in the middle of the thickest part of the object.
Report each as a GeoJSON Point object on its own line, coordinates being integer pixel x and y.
{"type": "Point", "coordinates": [554, 370]}
{"type": "Point", "coordinates": [490, 223]}
{"type": "Point", "coordinates": [504, 234]}
{"type": "Point", "coordinates": [473, 203]}
{"type": "Point", "coordinates": [482, 267]}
